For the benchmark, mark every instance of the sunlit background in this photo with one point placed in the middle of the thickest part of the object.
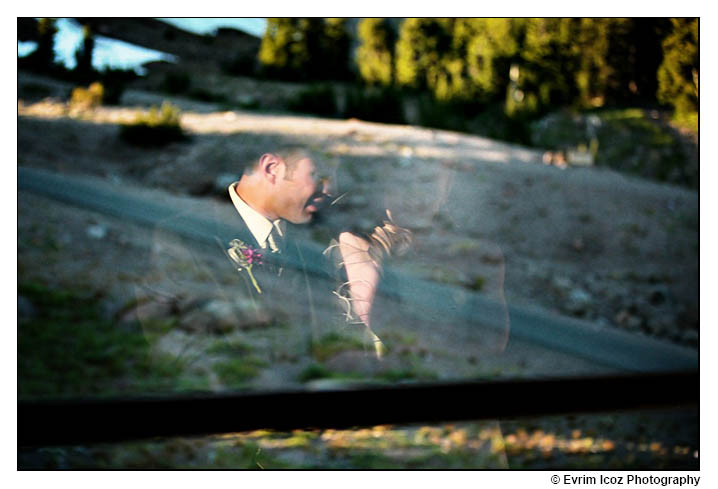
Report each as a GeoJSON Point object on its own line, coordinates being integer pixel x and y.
{"type": "Point", "coordinates": [112, 53]}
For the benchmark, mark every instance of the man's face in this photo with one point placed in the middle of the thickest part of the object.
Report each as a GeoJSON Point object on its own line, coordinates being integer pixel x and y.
{"type": "Point", "coordinates": [298, 197]}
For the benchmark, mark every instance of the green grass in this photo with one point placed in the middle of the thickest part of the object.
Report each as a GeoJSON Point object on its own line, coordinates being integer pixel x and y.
{"type": "Point", "coordinates": [332, 343]}
{"type": "Point", "coordinates": [409, 373]}
{"type": "Point", "coordinates": [316, 371]}
{"type": "Point", "coordinates": [412, 371]}
{"type": "Point", "coordinates": [235, 371]}
{"type": "Point", "coordinates": [224, 347]}
{"type": "Point", "coordinates": [69, 349]}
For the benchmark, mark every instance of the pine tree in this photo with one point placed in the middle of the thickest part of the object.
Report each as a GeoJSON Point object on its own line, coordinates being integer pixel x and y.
{"type": "Point", "coordinates": [83, 56]}
{"type": "Point", "coordinates": [618, 60]}
{"type": "Point", "coordinates": [488, 46]}
{"type": "Point", "coordinates": [458, 60]}
{"type": "Point", "coordinates": [375, 55]}
{"type": "Point", "coordinates": [336, 49]}
{"type": "Point", "coordinates": [678, 74]}
{"type": "Point", "coordinates": [280, 42]}
{"type": "Point", "coordinates": [594, 72]}
{"type": "Point", "coordinates": [421, 46]}
{"type": "Point", "coordinates": [546, 74]}
{"type": "Point", "coordinates": [305, 48]}
{"type": "Point", "coordinates": [44, 56]}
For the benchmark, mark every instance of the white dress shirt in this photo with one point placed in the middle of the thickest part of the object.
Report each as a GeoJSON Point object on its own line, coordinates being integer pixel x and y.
{"type": "Point", "coordinates": [260, 227]}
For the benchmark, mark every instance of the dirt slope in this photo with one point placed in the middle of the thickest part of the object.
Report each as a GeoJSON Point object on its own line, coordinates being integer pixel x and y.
{"type": "Point", "coordinates": [585, 242]}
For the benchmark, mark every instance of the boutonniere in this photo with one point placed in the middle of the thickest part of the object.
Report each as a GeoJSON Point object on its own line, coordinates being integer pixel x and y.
{"type": "Point", "coordinates": [245, 257]}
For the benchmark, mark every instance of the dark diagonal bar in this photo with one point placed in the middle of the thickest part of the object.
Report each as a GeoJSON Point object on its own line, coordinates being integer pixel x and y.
{"type": "Point", "coordinates": [65, 422]}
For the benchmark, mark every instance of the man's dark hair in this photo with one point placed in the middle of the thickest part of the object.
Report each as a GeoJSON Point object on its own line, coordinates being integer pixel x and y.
{"type": "Point", "coordinates": [290, 154]}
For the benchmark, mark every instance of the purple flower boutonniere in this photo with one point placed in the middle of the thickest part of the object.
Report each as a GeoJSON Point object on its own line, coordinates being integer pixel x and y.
{"type": "Point", "coordinates": [245, 257]}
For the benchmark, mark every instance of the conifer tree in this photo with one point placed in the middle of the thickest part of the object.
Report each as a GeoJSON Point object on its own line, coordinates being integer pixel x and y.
{"type": "Point", "coordinates": [336, 49]}
{"type": "Point", "coordinates": [678, 74]}
{"type": "Point", "coordinates": [546, 75]}
{"type": "Point", "coordinates": [421, 45]}
{"type": "Point", "coordinates": [375, 55]}
{"type": "Point", "coordinates": [488, 46]}
{"type": "Point", "coordinates": [305, 48]}
{"type": "Point", "coordinates": [83, 56]}
{"type": "Point", "coordinates": [44, 56]}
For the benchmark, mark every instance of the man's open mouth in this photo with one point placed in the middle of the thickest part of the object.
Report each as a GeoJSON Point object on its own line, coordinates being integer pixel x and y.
{"type": "Point", "coordinates": [317, 202]}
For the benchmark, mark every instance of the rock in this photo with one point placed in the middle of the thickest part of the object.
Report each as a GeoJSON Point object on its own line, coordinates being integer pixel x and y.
{"type": "Point", "coordinates": [98, 231]}
{"type": "Point", "coordinates": [199, 321]}
{"type": "Point", "coordinates": [578, 301]}
{"type": "Point", "coordinates": [332, 384]}
{"type": "Point", "coordinates": [561, 283]}
{"type": "Point", "coordinates": [217, 316]}
{"type": "Point", "coordinates": [627, 320]}
{"type": "Point", "coordinates": [602, 322]}
{"type": "Point", "coordinates": [660, 326]}
{"type": "Point", "coordinates": [579, 158]}
{"type": "Point", "coordinates": [149, 310]}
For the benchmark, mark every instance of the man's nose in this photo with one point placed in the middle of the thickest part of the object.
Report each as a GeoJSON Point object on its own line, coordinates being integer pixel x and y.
{"type": "Point", "coordinates": [326, 185]}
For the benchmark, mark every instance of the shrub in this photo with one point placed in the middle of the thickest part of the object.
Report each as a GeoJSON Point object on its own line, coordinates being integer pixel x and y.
{"type": "Point", "coordinates": [241, 65]}
{"type": "Point", "coordinates": [375, 104]}
{"type": "Point", "coordinates": [492, 122]}
{"type": "Point", "coordinates": [207, 96]}
{"type": "Point", "coordinates": [114, 80]}
{"type": "Point", "coordinates": [113, 92]}
{"type": "Point", "coordinates": [87, 98]}
{"type": "Point", "coordinates": [155, 128]}
{"type": "Point", "coordinates": [317, 99]}
{"type": "Point", "coordinates": [627, 140]}
{"type": "Point", "coordinates": [34, 90]}
{"type": "Point", "coordinates": [440, 115]}
{"type": "Point", "coordinates": [176, 82]}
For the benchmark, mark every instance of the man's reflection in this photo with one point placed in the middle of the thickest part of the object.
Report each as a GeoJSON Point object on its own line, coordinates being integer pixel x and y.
{"type": "Point", "coordinates": [284, 186]}
{"type": "Point", "coordinates": [281, 186]}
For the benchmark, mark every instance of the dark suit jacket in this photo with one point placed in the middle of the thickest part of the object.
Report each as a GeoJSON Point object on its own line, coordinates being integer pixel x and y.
{"type": "Point", "coordinates": [189, 269]}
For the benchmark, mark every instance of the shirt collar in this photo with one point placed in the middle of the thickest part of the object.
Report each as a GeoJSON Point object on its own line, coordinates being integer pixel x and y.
{"type": "Point", "coordinates": [258, 225]}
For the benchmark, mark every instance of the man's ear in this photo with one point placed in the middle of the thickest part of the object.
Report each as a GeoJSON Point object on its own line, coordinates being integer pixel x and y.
{"type": "Point", "coordinates": [270, 167]}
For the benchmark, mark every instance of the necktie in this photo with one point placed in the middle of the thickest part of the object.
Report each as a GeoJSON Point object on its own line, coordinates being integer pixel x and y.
{"type": "Point", "coordinates": [276, 236]}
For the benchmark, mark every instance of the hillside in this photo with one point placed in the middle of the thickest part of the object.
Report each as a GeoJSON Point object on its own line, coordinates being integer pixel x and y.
{"type": "Point", "coordinates": [587, 242]}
